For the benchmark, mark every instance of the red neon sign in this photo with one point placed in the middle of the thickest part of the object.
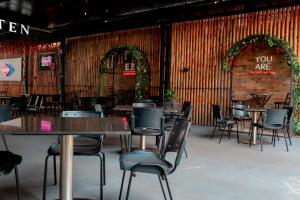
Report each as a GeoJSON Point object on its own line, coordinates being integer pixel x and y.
{"type": "Point", "coordinates": [129, 73]}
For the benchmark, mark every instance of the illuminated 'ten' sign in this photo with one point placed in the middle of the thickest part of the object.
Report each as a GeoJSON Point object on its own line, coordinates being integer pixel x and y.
{"type": "Point", "coordinates": [13, 27]}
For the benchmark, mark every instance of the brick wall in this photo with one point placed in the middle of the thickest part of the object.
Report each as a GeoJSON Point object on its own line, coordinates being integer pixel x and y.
{"type": "Point", "coordinates": [248, 75]}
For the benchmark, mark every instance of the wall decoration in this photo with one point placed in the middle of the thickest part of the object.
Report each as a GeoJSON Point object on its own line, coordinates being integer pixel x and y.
{"type": "Point", "coordinates": [11, 69]}
{"type": "Point", "coordinates": [280, 45]}
{"type": "Point", "coordinates": [48, 61]}
{"type": "Point", "coordinates": [141, 66]}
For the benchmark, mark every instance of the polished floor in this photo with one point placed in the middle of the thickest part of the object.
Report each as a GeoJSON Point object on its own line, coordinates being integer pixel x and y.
{"type": "Point", "coordinates": [212, 171]}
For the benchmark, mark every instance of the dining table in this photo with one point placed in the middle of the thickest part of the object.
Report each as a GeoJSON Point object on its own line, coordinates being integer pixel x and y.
{"type": "Point", "coordinates": [261, 99]}
{"type": "Point", "coordinates": [256, 112]}
{"type": "Point", "coordinates": [65, 128]}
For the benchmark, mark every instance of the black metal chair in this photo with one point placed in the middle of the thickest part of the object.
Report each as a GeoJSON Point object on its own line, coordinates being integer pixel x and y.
{"type": "Point", "coordinates": [220, 121]}
{"type": "Point", "coordinates": [284, 103]}
{"type": "Point", "coordinates": [8, 160]}
{"type": "Point", "coordinates": [147, 121]}
{"type": "Point", "coordinates": [84, 145]}
{"type": "Point", "coordinates": [149, 162]}
{"type": "Point", "coordinates": [240, 115]}
{"type": "Point", "coordinates": [19, 106]}
{"type": "Point", "coordinates": [275, 119]}
{"type": "Point", "coordinates": [186, 113]}
{"type": "Point", "coordinates": [288, 120]}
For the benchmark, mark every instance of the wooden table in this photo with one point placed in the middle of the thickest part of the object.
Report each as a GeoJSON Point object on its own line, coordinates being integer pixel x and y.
{"type": "Point", "coordinates": [65, 128]}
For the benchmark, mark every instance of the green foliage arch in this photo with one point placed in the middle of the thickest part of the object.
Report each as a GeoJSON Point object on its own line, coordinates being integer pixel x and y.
{"type": "Point", "coordinates": [113, 57]}
{"type": "Point", "coordinates": [285, 48]}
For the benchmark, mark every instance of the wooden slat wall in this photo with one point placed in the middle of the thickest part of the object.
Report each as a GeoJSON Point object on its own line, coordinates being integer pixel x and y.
{"type": "Point", "coordinates": [38, 82]}
{"type": "Point", "coordinates": [84, 55]}
{"type": "Point", "coordinates": [200, 45]}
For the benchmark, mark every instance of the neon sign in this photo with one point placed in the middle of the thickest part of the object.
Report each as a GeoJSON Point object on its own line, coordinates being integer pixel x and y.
{"type": "Point", "coordinates": [263, 66]}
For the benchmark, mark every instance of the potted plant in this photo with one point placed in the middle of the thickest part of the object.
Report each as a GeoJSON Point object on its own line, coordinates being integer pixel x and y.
{"type": "Point", "coordinates": [170, 95]}
{"type": "Point", "coordinates": [171, 100]}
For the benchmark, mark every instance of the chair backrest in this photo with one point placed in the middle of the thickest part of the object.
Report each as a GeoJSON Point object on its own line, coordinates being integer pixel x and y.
{"type": "Point", "coordinates": [148, 101]}
{"type": "Point", "coordinates": [19, 103]}
{"type": "Point", "coordinates": [88, 103]}
{"type": "Point", "coordinates": [287, 99]}
{"type": "Point", "coordinates": [83, 114]}
{"type": "Point", "coordinates": [186, 110]}
{"type": "Point", "coordinates": [143, 105]}
{"type": "Point", "coordinates": [177, 139]}
{"type": "Point", "coordinates": [217, 114]}
{"type": "Point", "coordinates": [5, 115]}
{"type": "Point", "coordinates": [80, 114]}
{"type": "Point", "coordinates": [275, 116]}
{"type": "Point", "coordinates": [289, 113]}
{"type": "Point", "coordinates": [147, 118]}
{"type": "Point", "coordinates": [98, 108]}
{"type": "Point", "coordinates": [239, 112]}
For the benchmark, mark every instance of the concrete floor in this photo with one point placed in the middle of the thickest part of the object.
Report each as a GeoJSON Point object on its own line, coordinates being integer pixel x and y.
{"type": "Point", "coordinates": [212, 171]}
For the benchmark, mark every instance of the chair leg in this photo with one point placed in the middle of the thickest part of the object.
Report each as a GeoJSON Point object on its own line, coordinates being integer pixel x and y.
{"type": "Point", "coordinates": [129, 185]}
{"type": "Point", "coordinates": [121, 143]}
{"type": "Point", "coordinates": [286, 144]}
{"type": "Point", "coordinates": [274, 142]}
{"type": "Point", "coordinates": [288, 133]}
{"type": "Point", "coordinates": [101, 177]}
{"type": "Point", "coordinates": [162, 187]}
{"type": "Point", "coordinates": [185, 152]}
{"type": "Point", "coordinates": [251, 134]}
{"type": "Point", "coordinates": [104, 168]}
{"type": "Point", "coordinates": [45, 178]}
{"type": "Point", "coordinates": [261, 134]}
{"type": "Point", "coordinates": [169, 190]}
{"type": "Point", "coordinates": [17, 182]}
{"type": "Point", "coordinates": [55, 171]}
{"type": "Point", "coordinates": [237, 133]}
{"type": "Point", "coordinates": [222, 134]}
{"type": "Point", "coordinates": [229, 131]}
{"type": "Point", "coordinates": [122, 183]}
{"type": "Point", "coordinates": [212, 135]}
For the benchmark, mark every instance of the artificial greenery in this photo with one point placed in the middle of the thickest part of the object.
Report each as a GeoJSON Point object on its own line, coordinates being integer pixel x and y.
{"type": "Point", "coordinates": [170, 95]}
{"type": "Point", "coordinates": [141, 65]}
{"type": "Point", "coordinates": [274, 42]}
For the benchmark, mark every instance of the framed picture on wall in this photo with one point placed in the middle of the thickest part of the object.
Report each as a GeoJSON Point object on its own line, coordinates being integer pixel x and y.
{"type": "Point", "coordinates": [11, 69]}
{"type": "Point", "coordinates": [48, 61]}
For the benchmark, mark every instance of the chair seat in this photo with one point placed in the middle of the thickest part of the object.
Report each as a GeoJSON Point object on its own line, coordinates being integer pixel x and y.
{"type": "Point", "coordinates": [226, 121]}
{"type": "Point", "coordinates": [242, 118]}
{"type": "Point", "coordinates": [268, 126]}
{"type": "Point", "coordinates": [130, 159]}
{"type": "Point", "coordinates": [54, 149]}
{"type": "Point", "coordinates": [147, 131]}
{"type": "Point", "coordinates": [8, 161]}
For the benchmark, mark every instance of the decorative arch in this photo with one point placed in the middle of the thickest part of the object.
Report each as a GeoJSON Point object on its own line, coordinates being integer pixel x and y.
{"type": "Point", "coordinates": [273, 42]}
{"type": "Point", "coordinates": [114, 56]}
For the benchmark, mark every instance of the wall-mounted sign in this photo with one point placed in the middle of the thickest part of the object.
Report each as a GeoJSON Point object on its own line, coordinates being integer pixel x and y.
{"type": "Point", "coordinates": [129, 69]}
{"type": "Point", "coordinates": [11, 69]}
{"type": "Point", "coordinates": [48, 61]}
{"type": "Point", "coordinates": [14, 27]}
{"type": "Point", "coordinates": [263, 66]}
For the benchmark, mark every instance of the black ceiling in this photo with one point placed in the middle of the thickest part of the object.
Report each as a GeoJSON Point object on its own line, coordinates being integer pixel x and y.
{"type": "Point", "coordinates": [79, 17]}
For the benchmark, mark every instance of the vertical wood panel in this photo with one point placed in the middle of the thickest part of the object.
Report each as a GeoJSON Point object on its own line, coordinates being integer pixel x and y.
{"type": "Point", "coordinates": [201, 44]}
{"type": "Point", "coordinates": [84, 55]}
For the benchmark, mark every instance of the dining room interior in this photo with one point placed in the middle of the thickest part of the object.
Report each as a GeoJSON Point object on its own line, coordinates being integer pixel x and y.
{"type": "Point", "coordinates": [193, 99]}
